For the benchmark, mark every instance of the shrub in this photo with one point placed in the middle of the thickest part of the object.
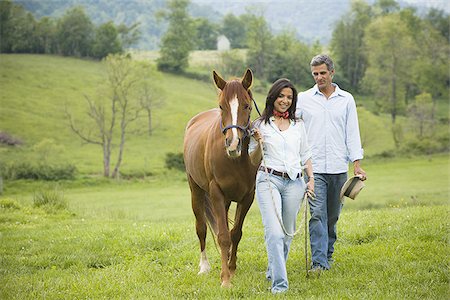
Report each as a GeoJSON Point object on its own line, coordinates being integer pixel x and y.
{"type": "Point", "coordinates": [50, 198]}
{"type": "Point", "coordinates": [425, 145]}
{"type": "Point", "coordinates": [26, 170]}
{"type": "Point", "coordinates": [175, 161]}
{"type": "Point", "coordinates": [384, 154]}
{"type": "Point", "coordinates": [135, 174]}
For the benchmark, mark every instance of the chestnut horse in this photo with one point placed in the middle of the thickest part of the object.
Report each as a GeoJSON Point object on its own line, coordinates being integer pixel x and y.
{"type": "Point", "coordinates": [219, 170]}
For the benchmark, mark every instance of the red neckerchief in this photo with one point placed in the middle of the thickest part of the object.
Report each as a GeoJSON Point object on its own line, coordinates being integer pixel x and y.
{"type": "Point", "coordinates": [284, 115]}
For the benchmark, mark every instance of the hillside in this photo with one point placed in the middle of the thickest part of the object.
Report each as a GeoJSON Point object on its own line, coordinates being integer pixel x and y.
{"type": "Point", "coordinates": [36, 88]}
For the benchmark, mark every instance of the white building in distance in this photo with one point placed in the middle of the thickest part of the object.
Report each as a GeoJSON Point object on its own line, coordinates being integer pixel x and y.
{"type": "Point", "coordinates": [223, 43]}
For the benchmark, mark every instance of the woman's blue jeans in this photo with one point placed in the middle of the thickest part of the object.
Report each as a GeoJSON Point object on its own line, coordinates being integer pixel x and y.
{"type": "Point", "coordinates": [325, 211]}
{"type": "Point", "coordinates": [286, 198]}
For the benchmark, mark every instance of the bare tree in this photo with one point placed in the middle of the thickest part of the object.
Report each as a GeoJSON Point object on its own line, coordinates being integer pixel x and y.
{"type": "Point", "coordinates": [152, 97]}
{"type": "Point", "coordinates": [113, 114]}
{"type": "Point", "coordinates": [421, 116]}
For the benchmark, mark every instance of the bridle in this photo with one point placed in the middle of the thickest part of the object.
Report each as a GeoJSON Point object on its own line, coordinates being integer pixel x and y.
{"type": "Point", "coordinates": [245, 129]}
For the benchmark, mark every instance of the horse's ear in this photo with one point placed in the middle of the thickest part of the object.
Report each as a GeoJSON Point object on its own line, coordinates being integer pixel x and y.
{"type": "Point", "coordinates": [247, 80]}
{"type": "Point", "coordinates": [220, 83]}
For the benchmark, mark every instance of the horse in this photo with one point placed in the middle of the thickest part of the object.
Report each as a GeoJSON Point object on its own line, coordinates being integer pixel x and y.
{"type": "Point", "coordinates": [219, 170]}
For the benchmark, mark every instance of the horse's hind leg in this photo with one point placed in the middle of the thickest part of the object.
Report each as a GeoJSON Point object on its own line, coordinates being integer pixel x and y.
{"type": "Point", "coordinates": [236, 233]}
{"type": "Point", "coordinates": [198, 207]}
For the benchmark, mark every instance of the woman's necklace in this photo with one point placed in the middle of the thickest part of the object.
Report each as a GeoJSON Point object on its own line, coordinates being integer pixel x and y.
{"type": "Point", "coordinates": [281, 123]}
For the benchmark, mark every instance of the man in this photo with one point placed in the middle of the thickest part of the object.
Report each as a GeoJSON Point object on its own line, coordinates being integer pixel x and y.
{"type": "Point", "coordinates": [332, 127]}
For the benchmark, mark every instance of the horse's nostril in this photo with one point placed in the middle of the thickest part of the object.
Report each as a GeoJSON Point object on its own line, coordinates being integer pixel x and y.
{"type": "Point", "coordinates": [228, 142]}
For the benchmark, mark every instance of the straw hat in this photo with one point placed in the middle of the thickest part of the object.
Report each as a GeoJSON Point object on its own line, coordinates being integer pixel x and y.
{"type": "Point", "coordinates": [352, 187]}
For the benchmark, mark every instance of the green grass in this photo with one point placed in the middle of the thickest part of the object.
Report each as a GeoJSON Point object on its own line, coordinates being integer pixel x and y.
{"type": "Point", "coordinates": [391, 254]}
{"type": "Point", "coordinates": [136, 239]}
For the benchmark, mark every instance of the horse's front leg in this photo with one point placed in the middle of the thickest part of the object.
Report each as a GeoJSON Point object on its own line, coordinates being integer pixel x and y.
{"type": "Point", "coordinates": [236, 233]}
{"type": "Point", "coordinates": [223, 236]}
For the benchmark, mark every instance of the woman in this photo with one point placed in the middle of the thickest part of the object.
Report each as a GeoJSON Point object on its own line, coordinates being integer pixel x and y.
{"type": "Point", "coordinates": [279, 181]}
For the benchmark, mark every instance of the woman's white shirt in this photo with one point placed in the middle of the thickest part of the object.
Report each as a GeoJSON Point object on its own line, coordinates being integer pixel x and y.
{"type": "Point", "coordinates": [284, 151]}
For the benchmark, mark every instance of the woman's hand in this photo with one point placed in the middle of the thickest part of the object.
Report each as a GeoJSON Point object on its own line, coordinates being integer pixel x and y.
{"type": "Point", "coordinates": [256, 155]}
{"type": "Point", "coordinates": [310, 189]}
{"type": "Point", "coordinates": [256, 135]}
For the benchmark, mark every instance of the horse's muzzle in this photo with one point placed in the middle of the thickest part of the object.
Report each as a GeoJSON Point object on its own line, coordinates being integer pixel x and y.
{"type": "Point", "coordinates": [233, 147]}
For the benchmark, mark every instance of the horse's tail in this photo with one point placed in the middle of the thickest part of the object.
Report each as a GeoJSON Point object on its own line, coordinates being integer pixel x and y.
{"type": "Point", "coordinates": [211, 220]}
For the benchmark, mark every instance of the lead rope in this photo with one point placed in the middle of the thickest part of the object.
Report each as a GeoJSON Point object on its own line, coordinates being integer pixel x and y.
{"type": "Point", "coordinates": [305, 198]}
{"type": "Point", "coordinates": [306, 235]}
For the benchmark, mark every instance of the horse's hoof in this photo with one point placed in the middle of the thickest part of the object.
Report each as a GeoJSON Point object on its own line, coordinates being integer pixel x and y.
{"type": "Point", "coordinates": [226, 284]}
{"type": "Point", "coordinates": [205, 267]}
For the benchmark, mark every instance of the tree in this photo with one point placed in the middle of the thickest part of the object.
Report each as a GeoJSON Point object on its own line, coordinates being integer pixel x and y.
{"type": "Point", "coordinates": [5, 26]}
{"type": "Point", "coordinates": [421, 115]}
{"type": "Point", "coordinates": [177, 42]}
{"type": "Point", "coordinates": [16, 28]}
{"type": "Point", "coordinates": [235, 29]}
{"type": "Point", "coordinates": [348, 47]}
{"type": "Point", "coordinates": [45, 36]}
{"type": "Point", "coordinates": [385, 7]}
{"type": "Point", "coordinates": [75, 33]}
{"type": "Point", "coordinates": [206, 34]}
{"type": "Point", "coordinates": [260, 45]}
{"type": "Point", "coordinates": [434, 50]}
{"type": "Point", "coordinates": [290, 59]}
{"type": "Point", "coordinates": [389, 48]}
{"type": "Point", "coordinates": [152, 96]}
{"type": "Point", "coordinates": [440, 21]}
{"type": "Point", "coordinates": [106, 41]}
{"type": "Point", "coordinates": [111, 114]}
{"type": "Point", "coordinates": [129, 35]}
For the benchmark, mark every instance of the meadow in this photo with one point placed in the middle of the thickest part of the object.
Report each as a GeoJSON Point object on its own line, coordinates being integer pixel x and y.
{"type": "Point", "coordinates": [135, 239]}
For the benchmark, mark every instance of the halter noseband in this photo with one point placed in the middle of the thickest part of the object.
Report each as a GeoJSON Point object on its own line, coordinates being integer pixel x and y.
{"type": "Point", "coordinates": [244, 129]}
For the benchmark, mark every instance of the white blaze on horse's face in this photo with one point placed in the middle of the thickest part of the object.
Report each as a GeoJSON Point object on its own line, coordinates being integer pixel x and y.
{"type": "Point", "coordinates": [233, 148]}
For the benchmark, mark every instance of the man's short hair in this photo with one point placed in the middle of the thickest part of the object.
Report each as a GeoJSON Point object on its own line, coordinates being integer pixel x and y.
{"type": "Point", "coordinates": [322, 59]}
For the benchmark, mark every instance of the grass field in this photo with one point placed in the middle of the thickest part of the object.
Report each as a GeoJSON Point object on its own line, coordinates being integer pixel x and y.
{"type": "Point", "coordinates": [135, 239]}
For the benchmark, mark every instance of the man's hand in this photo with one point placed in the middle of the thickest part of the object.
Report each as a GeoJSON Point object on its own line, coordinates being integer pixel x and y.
{"type": "Point", "coordinates": [358, 171]}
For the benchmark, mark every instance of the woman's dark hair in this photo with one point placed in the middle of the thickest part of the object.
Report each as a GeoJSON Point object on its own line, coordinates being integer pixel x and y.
{"type": "Point", "coordinates": [273, 94]}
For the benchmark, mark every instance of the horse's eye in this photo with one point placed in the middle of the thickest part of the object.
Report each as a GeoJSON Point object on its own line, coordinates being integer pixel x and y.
{"type": "Point", "coordinates": [246, 106]}
{"type": "Point", "coordinates": [220, 106]}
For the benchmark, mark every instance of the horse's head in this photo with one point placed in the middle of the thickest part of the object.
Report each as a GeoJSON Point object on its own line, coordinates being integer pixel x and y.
{"type": "Point", "coordinates": [235, 102]}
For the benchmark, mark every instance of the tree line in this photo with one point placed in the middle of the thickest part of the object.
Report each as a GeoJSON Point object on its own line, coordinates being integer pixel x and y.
{"type": "Point", "coordinates": [396, 55]}
{"type": "Point", "coordinates": [380, 49]}
{"type": "Point", "coordinates": [74, 34]}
